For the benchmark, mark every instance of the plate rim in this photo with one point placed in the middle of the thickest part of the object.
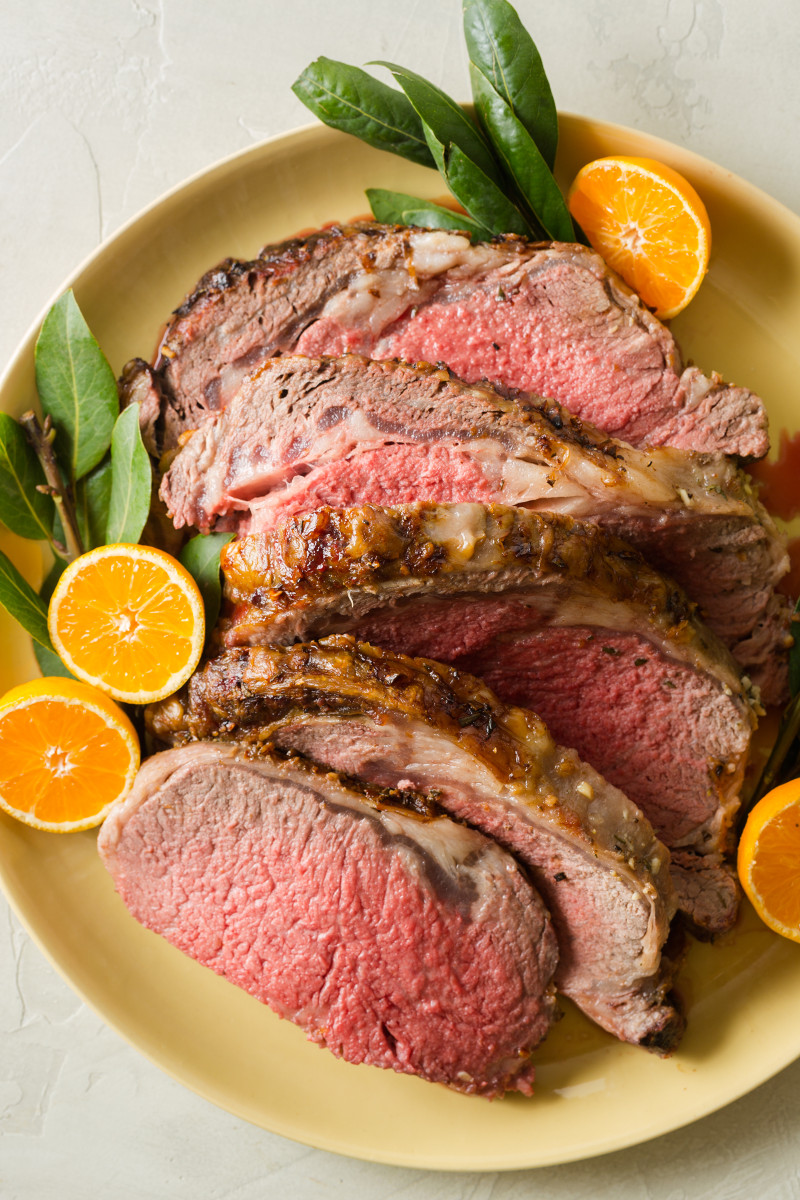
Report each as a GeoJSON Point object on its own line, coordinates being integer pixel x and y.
{"type": "Point", "coordinates": [237, 160]}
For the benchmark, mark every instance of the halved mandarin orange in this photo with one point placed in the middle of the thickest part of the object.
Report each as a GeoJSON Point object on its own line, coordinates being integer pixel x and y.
{"type": "Point", "coordinates": [129, 620]}
{"type": "Point", "coordinates": [650, 226]}
{"type": "Point", "coordinates": [769, 859]}
{"type": "Point", "coordinates": [67, 752]}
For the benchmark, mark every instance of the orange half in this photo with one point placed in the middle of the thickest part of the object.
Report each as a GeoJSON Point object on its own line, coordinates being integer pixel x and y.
{"type": "Point", "coordinates": [67, 753]}
{"type": "Point", "coordinates": [769, 859]}
{"type": "Point", "coordinates": [650, 226]}
{"type": "Point", "coordinates": [128, 620]}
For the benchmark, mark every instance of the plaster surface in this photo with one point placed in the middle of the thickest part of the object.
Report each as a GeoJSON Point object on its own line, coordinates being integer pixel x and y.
{"type": "Point", "coordinates": [104, 104]}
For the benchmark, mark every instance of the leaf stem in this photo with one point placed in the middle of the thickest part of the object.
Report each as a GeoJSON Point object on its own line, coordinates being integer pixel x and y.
{"type": "Point", "coordinates": [41, 438]}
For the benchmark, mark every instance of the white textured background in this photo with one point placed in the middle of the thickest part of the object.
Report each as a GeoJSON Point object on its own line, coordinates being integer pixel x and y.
{"type": "Point", "coordinates": [103, 105]}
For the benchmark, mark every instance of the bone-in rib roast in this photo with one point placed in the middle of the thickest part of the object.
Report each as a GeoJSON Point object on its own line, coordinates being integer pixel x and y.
{"type": "Point", "coordinates": [309, 782]}
{"type": "Point", "coordinates": [555, 616]}
{"type": "Point", "coordinates": [551, 319]}
{"type": "Point", "coordinates": [399, 722]}
{"type": "Point", "coordinates": [388, 932]}
{"type": "Point", "coordinates": [302, 432]}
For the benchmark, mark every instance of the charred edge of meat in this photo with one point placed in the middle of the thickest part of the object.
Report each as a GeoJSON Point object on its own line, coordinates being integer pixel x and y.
{"type": "Point", "coordinates": [415, 684]}
{"type": "Point", "coordinates": [312, 555]}
{"type": "Point", "coordinates": [221, 699]}
{"type": "Point", "coordinates": [305, 677]}
{"type": "Point", "coordinates": [280, 258]}
{"type": "Point", "coordinates": [273, 261]}
{"type": "Point", "coordinates": [245, 694]}
{"type": "Point", "coordinates": [411, 803]}
{"type": "Point", "coordinates": [664, 1040]}
{"type": "Point", "coordinates": [502, 403]}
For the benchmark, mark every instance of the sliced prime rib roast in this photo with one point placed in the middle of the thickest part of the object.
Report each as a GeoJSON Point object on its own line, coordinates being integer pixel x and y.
{"type": "Point", "coordinates": [401, 722]}
{"type": "Point", "coordinates": [547, 318]}
{"type": "Point", "coordinates": [303, 432]}
{"type": "Point", "coordinates": [555, 616]}
{"type": "Point", "coordinates": [388, 932]}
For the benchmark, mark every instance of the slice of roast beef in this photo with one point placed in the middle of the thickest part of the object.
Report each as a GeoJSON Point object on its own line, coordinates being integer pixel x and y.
{"type": "Point", "coordinates": [400, 722]}
{"type": "Point", "coordinates": [547, 318]}
{"type": "Point", "coordinates": [555, 616]}
{"type": "Point", "coordinates": [302, 433]}
{"type": "Point", "coordinates": [388, 932]}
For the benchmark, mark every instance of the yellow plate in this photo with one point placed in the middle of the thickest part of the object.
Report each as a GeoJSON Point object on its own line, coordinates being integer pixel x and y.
{"type": "Point", "coordinates": [593, 1094]}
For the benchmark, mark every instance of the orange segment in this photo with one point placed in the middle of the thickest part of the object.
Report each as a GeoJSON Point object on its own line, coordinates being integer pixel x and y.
{"type": "Point", "coordinates": [129, 620]}
{"type": "Point", "coordinates": [769, 859]}
{"type": "Point", "coordinates": [67, 753]}
{"type": "Point", "coordinates": [650, 226]}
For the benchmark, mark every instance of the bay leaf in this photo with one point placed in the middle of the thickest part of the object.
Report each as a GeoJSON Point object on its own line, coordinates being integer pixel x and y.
{"type": "Point", "coordinates": [21, 602]}
{"type": "Point", "coordinates": [523, 164]}
{"type": "Point", "coordinates": [76, 386]}
{"type": "Point", "coordinates": [92, 497]}
{"type": "Point", "coordinates": [351, 100]}
{"type": "Point", "coordinates": [200, 556]}
{"type": "Point", "coordinates": [445, 118]}
{"type": "Point", "coordinates": [131, 480]}
{"type": "Point", "coordinates": [26, 511]}
{"type": "Point", "coordinates": [503, 51]}
{"type": "Point", "coordinates": [397, 208]}
{"type": "Point", "coordinates": [49, 662]}
{"type": "Point", "coordinates": [484, 200]}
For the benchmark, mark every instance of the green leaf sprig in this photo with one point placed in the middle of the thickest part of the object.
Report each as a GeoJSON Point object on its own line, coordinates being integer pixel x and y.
{"type": "Point", "coordinates": [92, 499]}
{"type": "Point", "coordinates": [462, 154]}
{"type": "Point", "coordinates": [200, 556]}
{"type": "Point", "coordinates": [78, 393]}
{"type": "Point", "coordinates": [349, 99]}
{"type": "Point", "coordinates": [22, 603]}
{"type": "Point", "coordinates": [131, 480]}
{"type": "Point", "coordinates": [26, 505]}
{"type": "Point", "coordinates": [77, 388]}
{"type": "Point", "coordinates": [501, 49]}
{"type": "Point", "coordinates": [499, 170]}
{"type": "Point", "coordinates": [396, 208]}
{"type": "Point", "coordinates": [50, 663]}
{"type": "Point", "coordinates": [79, 479]}
{"type": "Point", "coordinates": [523, 164]}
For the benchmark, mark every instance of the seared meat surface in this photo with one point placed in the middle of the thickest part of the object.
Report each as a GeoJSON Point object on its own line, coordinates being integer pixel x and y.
{"type": "Point", "coordinates": [555, 616]}
{"type": "Point", "coordinates": [400, 722]}
{"type": "Point", "coordinates": [388, 932]}
{"type": "Point", "coordinates": [301, 433]}
{"type": "Point", "coordinates": [548, 318]}
{"type": "Point", "coordinates": [384, 848]}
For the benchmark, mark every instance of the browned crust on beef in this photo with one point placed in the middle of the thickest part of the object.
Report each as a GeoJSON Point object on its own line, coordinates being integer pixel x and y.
{"type": "Point", "coordinates": [264, 696]}
{"type": "Point", "coordinates": [277, 259]}
{"type": "Point", "coordinates": [693, 515]}
{"type": "Point", "coordinates": [244, 694]}
{"type": "Point", "coordinates": [286, 287]}
{"type": "Point", "coordinates": [270, 579]}
{"type": "Point", "coordinates": [331, 571]}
